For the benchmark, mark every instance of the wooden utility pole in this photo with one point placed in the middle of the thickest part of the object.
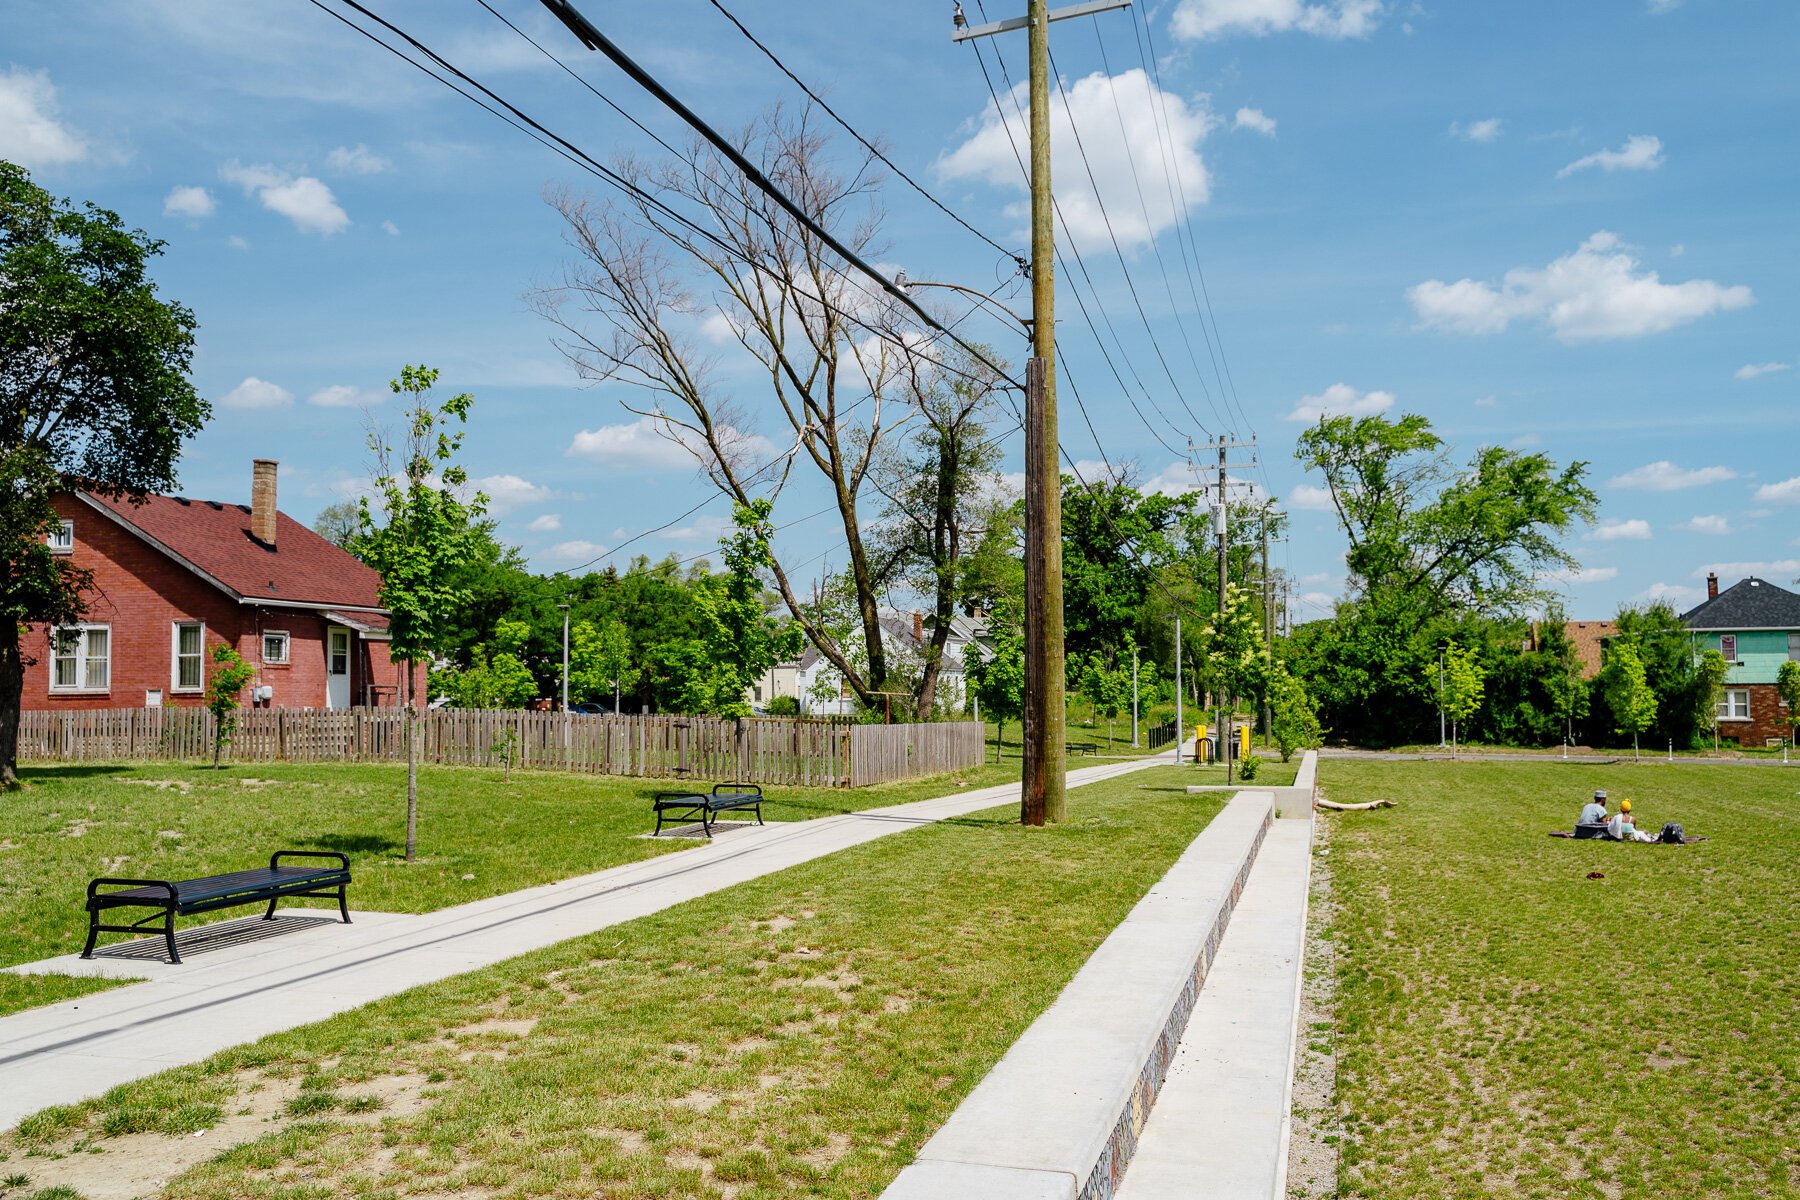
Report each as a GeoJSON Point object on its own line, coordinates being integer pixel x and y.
{"type": "Point", "coordinates": [1044, 795]}
{"type": "Point", "coordinates": [1222, 731]}
{"type": "Point", "coordinates": [1268, 585]}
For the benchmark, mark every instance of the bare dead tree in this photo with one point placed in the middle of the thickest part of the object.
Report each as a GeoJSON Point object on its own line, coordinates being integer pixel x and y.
{"type": "Point", "coordinates": [837, 354]}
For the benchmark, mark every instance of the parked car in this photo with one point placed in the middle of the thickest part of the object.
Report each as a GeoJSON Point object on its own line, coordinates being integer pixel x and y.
{"type": "Point", "coordinates": [591, 709]}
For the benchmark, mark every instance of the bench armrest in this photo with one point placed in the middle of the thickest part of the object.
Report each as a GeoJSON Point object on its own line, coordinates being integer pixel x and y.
{"type": "Point", "coordinates": [129, 884]}
{"type": "Point", "coordinates": [342, 860]}
{"type": "Point", "coordinates": [737, 789]}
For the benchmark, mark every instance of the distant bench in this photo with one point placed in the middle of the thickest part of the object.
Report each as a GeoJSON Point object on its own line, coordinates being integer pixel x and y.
{"type": "Point", "coordinates": [188, 896]}
{"type": "Point", "coordinates": [1083, 747]}
{"type": "Point", "coordinates": [680, 808]}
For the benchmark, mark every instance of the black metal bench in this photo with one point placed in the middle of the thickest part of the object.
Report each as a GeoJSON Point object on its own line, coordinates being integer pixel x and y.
{"type": "Point", "coordinates": [680, 808]}
{"type": "Point", "coordinates": [1083, 748]}
{"type": "Point", "coordinates": [181, 898]}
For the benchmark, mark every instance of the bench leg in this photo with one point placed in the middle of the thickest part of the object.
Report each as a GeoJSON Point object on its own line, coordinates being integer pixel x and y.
{"type": "Point", "coordinates": [706, 822]}
{"type": "Point", "coordinates": [759, 819]}
{"type": "Point", "coordinates": [93, 933]}
{"type": "Point", "coordinates": [169, 936]}
{"type": "Point", "coordinates": [343, 905]}
{"type": "Point", "coordinates": [270, 915]}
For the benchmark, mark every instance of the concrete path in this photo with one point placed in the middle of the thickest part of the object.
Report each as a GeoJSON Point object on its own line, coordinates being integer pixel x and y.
{"type": "Point", "coordinates": [1220, 1126]}
{"type": "Point", "coordinates": [71, 1051]}
{"type": "Point", "coordinates": [1057, 1117]}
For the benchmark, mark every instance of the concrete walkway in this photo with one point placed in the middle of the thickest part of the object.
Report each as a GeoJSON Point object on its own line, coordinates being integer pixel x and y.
{"type": "Point", "coordinates": [1220, 1125]}
{"type": "Point", "coordinates": [252, 985]}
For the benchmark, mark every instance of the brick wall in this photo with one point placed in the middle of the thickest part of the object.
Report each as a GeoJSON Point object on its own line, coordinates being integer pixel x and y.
{"type": "Point", "coordinates": [1768, 719]}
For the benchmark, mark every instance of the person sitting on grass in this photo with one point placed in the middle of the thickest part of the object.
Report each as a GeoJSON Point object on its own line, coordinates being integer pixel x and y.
{"type": "Point", "coordinates": [1594, 813]}
{"type": "Point", "coordinates": [1623, 827]}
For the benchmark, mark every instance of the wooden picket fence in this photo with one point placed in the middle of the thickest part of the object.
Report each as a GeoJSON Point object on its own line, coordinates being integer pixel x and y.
{"type": "Point", "coordinates": [770, 750]}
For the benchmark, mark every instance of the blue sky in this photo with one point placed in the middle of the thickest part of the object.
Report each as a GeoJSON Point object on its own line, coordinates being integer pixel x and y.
{"type": "Point", "coordinates": [1564, 227]}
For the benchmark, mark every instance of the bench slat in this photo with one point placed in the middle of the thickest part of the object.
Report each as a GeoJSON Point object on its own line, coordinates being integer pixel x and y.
{"type": "Point", "coordinates": [211, 887]}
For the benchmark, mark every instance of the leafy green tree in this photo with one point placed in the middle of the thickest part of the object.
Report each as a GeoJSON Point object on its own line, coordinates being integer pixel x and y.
{"type": "Point", "coordinates": [1236, 659]}
{"type": "Point", "coordinates": [426, 534]}
{"type": "Point", "coordinates": [1428, 542]}
{"type": "Point", "coordinates": [1568, 690]}
{"type": "Point", "coordinates": [93, 386]}
{"type": "Point", "coordinates": [1710, 682]}
{"type": "Point", "coordinates": [1108, 689]}
{"type": "Point", "coordinates": [1629, 696]}
{"type": "Point", "coordinates": [1671, 669]}
{"type": "Point", "coordinates": [338, 523]}
{"type": "Point", "coordinates": [230, 676]}
{"type": "Point", "coordinates": [739, 640]}
{"type": "Point", "coordinates": [1462, 687]}
{"type": "Point", "coordinates": [499, 679]}
{"type": "Point", "coordinates": [1787, 686]}
{"type": "Point", "coordinates": [997, 679]}
{"type": "Point", "coordinates": [600, 660]}
{"type": "Point", "coordinates": [1293, 719]}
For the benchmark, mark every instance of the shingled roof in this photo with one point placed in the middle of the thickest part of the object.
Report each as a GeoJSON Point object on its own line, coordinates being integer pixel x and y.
{"type": "Point", "coordinates": [214, 540]}
{"type": "Point", "coordinates": [1748, 604]}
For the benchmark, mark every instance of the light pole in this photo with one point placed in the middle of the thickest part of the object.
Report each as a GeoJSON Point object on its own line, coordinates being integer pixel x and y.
{"type": "Point", "coordinates": [1440, 698]}
{"type": "Point", "coordinates": [565, 671]}
{"type": "Point", "coordinates": [1134, 698]}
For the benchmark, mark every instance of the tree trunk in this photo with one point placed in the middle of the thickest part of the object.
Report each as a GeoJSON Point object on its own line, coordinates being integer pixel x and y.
{"type": "Point", "coordinates": [12, 693]}
{"type": "Point", "coordinates": [412, 767]}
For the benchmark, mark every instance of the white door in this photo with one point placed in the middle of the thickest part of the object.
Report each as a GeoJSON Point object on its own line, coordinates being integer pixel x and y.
{"type": "Point", "coordinates": [337, 668]}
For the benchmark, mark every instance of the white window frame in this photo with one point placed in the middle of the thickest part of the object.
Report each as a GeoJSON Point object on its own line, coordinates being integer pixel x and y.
{"type": "Point", "coordinates": [84, 659]}
{"type": "Point", "coordinates": [61, 539]}
{"type": "Point", "coordinates": [175, 685]}
{"type": "Point", "coordinates": [1729, 708]}
{"type": "Point", "coordinates": [287, 647]}
{"type": "Point", "coordinates": [1731, 654]}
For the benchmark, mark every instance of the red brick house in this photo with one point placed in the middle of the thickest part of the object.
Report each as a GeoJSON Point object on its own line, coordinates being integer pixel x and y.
{"type": "Point", "coordinates": [175, 577]}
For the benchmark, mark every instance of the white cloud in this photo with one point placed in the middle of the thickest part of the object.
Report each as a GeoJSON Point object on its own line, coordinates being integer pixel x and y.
{"type": "Point", "coordinates": [1162, 135]}
{"type": "Point", "coordinates": [1341, 400]}
{"type": "Point", "coordinates": [704, 528]}
{"type": "Point", "coordinates": [238, 242]}
{"type": "Point", "coordinates": [1731, 571]}
{"type": "Point", "coordinates": [579, 550]}
{"type": "Point", "coordinates": [1255, 120]}
{"type": "Point", "coordinates": [391, 229]}
{"type": "Point", "coordinates": [548, 523]}
{"type": "Point", "coordinates": [1324, 603]}
{"type": "Point", "coordinates": [1639, 153]}
{"type": "Point", "coordinates": [256, 393]}
{"type": "Point", "coordinates": [1752, 370]}
{"type": "Point", "coordinates": [1677, 595]}
{"type": "Point", "coordinates": [1665, 476]}
{"type": "Point", "coordinates": [508, 492]}
{"type": "Point", "coordinates": [357, 160]}
{"type": "Point", "coordinates": [1485, 402]}
{"type": "Point", "coordinates": [1198, 19]}
{"type": "Point", "coordinates": [1305, 497]}
{"type": "Point", "coordinates": [640, 445]}
{"type": "Point", "coordinates": [1485, 130]}
{"type": "Point", "coordinates": [1597, 292]}
{"type": "Point", "coordinates": [190, 202]}
{"type": "Point", "coordinates": [1580, 575]}
{"type": "Point", "coordinates": [302, 199]}
{"type": "Point", "coordinates": [1634, 530]}
{"type": "Point", "coordinates": [30, 134]}
{"type": "Point", "coordinates": [1785, 492]}
{"type": "Point", "coordinates": [344, 395]}
{"type": "Point", "coordinates": [1715, 525]}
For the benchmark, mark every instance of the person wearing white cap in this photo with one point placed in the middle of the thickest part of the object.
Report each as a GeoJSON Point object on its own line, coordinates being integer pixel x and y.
{"type": "Point", "coordinates": [1594, 813]}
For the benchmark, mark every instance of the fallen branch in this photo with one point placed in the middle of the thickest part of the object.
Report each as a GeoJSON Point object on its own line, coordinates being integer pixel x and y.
{"type": "Point", "coordinates": [1334, 806]}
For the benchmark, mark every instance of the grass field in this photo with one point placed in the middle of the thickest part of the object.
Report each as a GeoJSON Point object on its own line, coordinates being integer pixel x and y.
{"type": "Point", "coordinates": [1511, 1026]}
{"type": "Point", "coordinates": [479, 835]}
{"type": "Point", "coordinates": [800, 1034]}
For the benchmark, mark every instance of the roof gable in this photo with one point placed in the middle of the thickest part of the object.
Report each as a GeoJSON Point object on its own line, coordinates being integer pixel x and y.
{"type": "Point", "coordinates": [1748, 604]}
{"type": "Point", "coordinates": [214, 540]}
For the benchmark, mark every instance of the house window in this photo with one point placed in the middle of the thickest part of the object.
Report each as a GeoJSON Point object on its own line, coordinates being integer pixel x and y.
{"type": "Point", "coordinates": [82, 658]}
{"type": "Point", "coordinates": [1736, 705]}
{"type": "Point", "coordinates": [61, 538]}
{"type": "Point", "coordinates": [275, 647]}
{"type": "Point", "coordinates": [190, 640]}
{"type": "Point", "coordinates": [1794, 647]}
{"type": "Point", "coordinates": [340, 652]}
{"type": "Point", "coordinates": [1728, 646]}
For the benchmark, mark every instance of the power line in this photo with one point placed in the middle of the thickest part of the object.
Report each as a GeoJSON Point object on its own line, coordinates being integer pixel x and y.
{"type": "Point", "coordinates": [1018, 259]}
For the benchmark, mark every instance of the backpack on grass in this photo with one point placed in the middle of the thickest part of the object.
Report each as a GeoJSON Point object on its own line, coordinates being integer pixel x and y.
{"type": "Point", "coordinates": [1672, 833]}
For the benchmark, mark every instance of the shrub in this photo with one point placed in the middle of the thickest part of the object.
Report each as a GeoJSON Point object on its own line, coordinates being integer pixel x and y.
{"type": "Point", "coordinates": [1248, 767]}
{"type": "Point", "coordinates": [784, 706]}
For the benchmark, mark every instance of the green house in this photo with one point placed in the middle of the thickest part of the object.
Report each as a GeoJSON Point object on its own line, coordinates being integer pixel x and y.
{"type": "Point", "coordinates": [1756, 626]}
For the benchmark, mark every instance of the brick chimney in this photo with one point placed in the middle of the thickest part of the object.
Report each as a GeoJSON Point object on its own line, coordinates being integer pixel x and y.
{"type": "Point", "coordinates": [1712, 585]}
{"type": "Point", "coordinates": [918, 626]}
{"type": "Point", "coordinates": [262, 501]}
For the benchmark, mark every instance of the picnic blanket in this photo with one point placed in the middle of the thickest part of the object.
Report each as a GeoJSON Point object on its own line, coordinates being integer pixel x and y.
{"type": "Point", "coordinates": [1565, 833]}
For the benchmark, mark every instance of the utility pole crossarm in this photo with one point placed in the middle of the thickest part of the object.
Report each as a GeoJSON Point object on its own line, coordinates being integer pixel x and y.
{"type": "Point", "coordinates": [964, 33]}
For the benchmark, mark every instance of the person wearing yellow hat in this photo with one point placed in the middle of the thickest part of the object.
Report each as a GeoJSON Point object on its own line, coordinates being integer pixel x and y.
{"type": "Point", "coordinates": [1623, 826]}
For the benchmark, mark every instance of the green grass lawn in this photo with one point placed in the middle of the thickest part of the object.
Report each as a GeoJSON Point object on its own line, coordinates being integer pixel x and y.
{"type": "Point", "coordinates": [799, 1034]}
{"type": "Point", "coordinates": [1510, 1026]}
{"type": "Point", "coordinates": [479, 835]}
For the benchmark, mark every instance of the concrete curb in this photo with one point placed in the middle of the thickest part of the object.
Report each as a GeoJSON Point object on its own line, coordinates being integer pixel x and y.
{"type": "Point", "coordinates": [1059, 1116]}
